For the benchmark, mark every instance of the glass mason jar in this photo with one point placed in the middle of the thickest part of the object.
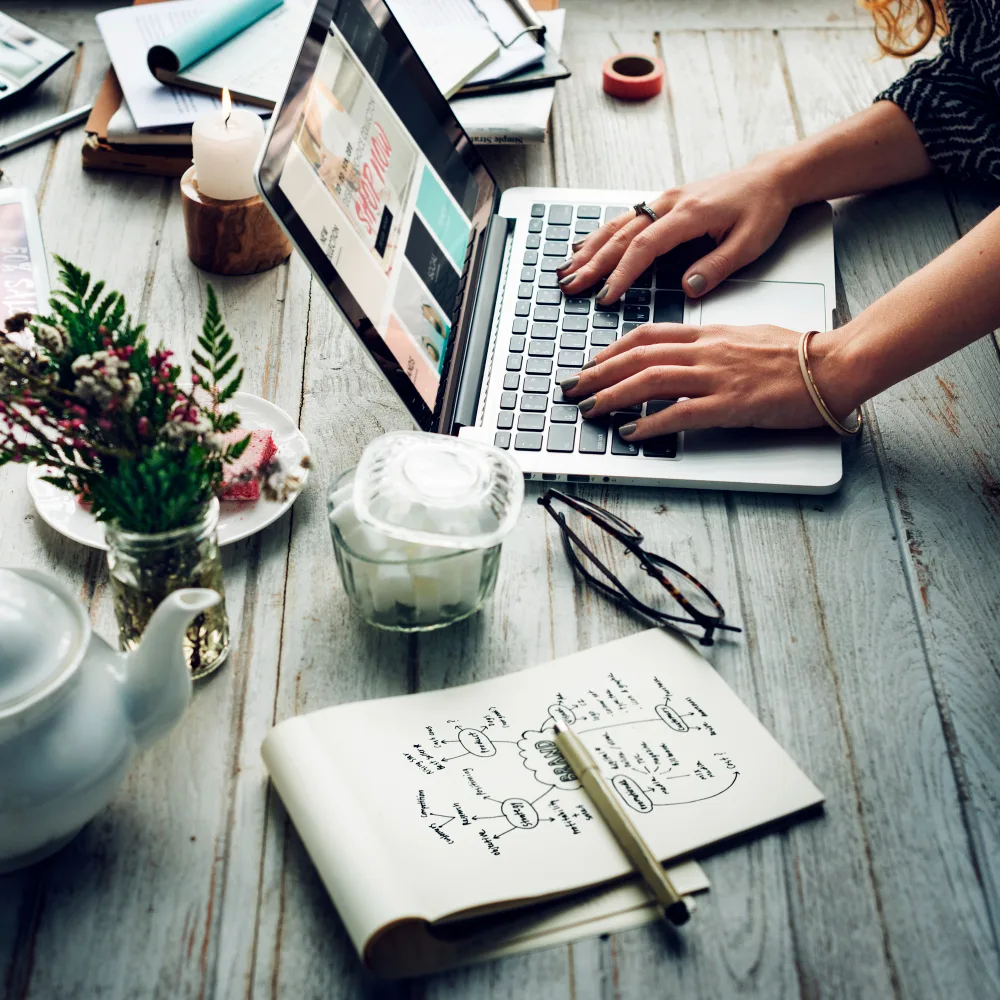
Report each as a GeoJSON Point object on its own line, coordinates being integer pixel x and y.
{"type": "Point", "coordinates": [146, 568]}
{"type": "Point", "coordinates": [400, 592]}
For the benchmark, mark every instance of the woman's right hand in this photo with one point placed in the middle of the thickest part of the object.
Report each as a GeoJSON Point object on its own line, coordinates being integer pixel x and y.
{"type": "Point", "coordinates": [744, 211]}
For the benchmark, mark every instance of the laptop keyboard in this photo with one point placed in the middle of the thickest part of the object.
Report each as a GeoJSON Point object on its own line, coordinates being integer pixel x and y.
{"type": "Point", "coordinates": [553, 336]}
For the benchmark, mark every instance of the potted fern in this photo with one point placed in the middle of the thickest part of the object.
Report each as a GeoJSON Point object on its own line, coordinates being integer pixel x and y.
{"type": "Point", "coordinates": [83, 394]}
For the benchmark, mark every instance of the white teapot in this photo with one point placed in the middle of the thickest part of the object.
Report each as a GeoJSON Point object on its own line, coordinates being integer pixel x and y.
{"type": "Point", "coordinates": [73, 710]}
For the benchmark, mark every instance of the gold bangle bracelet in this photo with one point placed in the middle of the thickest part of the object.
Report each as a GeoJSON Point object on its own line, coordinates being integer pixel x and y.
{"type": "Point", "coordinates": [824, 411]}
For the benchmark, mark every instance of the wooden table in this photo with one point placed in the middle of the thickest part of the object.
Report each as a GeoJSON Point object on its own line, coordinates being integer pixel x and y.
{"type": "Point", "coordinates": [871, 616]}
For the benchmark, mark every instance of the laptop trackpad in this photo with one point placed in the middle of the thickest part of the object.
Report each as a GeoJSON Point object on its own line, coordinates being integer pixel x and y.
{"type": "Point", "coordinates": [793, 305]}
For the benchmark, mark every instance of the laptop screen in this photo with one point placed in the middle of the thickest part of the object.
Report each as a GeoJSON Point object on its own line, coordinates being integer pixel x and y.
{"type": "Point", "coordinates": [383, 193]}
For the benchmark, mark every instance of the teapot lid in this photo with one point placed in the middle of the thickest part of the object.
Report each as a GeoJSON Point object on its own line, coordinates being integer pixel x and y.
{"type": "Point", "coordinates": [41, 633]}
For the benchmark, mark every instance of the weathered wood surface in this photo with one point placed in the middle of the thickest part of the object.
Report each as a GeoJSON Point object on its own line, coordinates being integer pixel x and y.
{"type": "Point", "coordinates": [871, 616]}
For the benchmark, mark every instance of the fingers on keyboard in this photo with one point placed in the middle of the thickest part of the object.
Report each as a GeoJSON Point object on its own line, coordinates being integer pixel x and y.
{"type": "Point", "coordinates": [552, 337]}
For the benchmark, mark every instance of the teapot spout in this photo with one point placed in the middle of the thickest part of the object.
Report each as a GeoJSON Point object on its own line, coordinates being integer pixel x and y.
{"type": "Point", "coordinates": [157, 678]}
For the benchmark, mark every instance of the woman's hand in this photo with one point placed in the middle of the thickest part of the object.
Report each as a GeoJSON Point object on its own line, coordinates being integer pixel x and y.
{"type": "Point", "coordinates": [743, 211]}
{"type": "Point", "coordinates": [724, 376]}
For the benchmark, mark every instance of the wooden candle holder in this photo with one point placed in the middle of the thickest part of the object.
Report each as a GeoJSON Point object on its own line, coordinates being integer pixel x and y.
{"type": "Point", "coordinates": [230, 237]}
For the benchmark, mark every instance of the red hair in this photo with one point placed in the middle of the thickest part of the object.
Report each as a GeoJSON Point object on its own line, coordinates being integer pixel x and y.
{"type": "Point", "coordinates": [904, 27]}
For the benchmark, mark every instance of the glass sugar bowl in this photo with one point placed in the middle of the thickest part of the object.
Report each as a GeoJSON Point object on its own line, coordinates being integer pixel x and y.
{"type": "Point", "coordinates": [417, 528]}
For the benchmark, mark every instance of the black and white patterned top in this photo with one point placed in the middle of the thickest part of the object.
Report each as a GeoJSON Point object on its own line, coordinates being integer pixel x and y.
{"type": "Point", "coordinates": [954, 99]}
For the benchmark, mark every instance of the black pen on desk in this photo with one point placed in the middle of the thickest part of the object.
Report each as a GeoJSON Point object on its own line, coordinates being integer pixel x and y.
{"type": "Point", "coordinates": [43, 130]}
{"type": "Point", "coordinates": [676, 908]}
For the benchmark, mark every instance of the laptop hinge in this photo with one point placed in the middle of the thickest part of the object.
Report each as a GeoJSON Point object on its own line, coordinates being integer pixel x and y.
{"type": "Point", "coordinates": [477, 349]}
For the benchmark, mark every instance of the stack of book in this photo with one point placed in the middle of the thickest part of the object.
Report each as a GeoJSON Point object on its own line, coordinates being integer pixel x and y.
{"type": "Point", "coordinates": [152, 95]}
{"type": "Point", "coordinates": [496, 59]}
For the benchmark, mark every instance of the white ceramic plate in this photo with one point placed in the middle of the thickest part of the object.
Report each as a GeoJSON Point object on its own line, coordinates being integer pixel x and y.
{"type": "Point", "coordinates": [61, 511]}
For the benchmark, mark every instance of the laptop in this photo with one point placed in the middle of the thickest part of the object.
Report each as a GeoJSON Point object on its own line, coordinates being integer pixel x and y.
{"type": "Point", "coordinates": [450, 284]}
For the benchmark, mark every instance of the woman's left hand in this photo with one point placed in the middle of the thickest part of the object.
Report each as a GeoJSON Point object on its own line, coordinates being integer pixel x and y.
{"type": "Point", "coordinates": [723, 376]}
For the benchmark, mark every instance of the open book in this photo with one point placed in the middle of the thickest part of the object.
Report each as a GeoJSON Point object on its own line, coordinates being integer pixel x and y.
{"type": "Point", "coordinates": [448, 828]}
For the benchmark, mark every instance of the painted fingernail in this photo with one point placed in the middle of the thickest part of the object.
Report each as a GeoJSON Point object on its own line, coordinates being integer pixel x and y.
{"type": "Point", "coordinates": [578, 244]}
{"type": "Point", "coordinates": [600, 295]}
{"type": "Point", "coordinates": [563, 264]}
{"type": "Point", "coordinates": [586, 405]}
{"type": "Point", "coordinates": [589, 364]}
{"type": "Point", "coordinates": [697, 283]}
{"type": "Point", "coordinates": [569, 384]}
{"type": "Point", "coordinates": [565, 281]}
{"type": "Point", "coordinates": [627, 430]}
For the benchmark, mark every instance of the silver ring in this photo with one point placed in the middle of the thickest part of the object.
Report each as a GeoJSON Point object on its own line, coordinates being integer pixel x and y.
{"type": "Point", "coordinates": [643, 209]}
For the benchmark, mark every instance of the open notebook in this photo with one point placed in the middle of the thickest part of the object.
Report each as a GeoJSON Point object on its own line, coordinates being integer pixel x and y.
{"type": "Point", "coordinates": [448, 828]}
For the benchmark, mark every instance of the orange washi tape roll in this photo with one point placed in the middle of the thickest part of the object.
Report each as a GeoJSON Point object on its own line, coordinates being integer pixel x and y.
{"type": "Point", "coordinates": [633, 76]}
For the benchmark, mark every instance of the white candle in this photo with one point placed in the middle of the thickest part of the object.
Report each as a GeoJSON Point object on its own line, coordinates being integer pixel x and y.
{"type": "Point", "coordinates": [225, 145]}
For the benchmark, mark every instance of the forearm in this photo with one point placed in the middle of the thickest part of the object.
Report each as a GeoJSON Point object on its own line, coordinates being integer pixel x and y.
{"type": "Point", "coordinates": [946, 305]}
{"type": "Point", "coordinates": [876, 148]}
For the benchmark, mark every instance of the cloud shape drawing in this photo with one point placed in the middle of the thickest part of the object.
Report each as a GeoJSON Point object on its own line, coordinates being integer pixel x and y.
{"type": "Point", "coordinates": [542, 757]}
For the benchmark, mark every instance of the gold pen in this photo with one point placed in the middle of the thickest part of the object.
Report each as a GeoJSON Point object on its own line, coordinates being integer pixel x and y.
{"type": "Point", "coordinates": [676, 908]}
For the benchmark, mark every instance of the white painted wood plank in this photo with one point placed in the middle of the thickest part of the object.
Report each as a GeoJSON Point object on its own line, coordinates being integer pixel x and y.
{"type": "Point", "coordinates": [298, 945]}
{"type": "Point", "coordinates": [937, 435]}
{"type": "Point", "coordinates": [205, 852]}
{"type": "Point", "coordinates": [837, 950]}
{"type": "Point", "coordinates": [900, 231]}
{"type": "Point", "coordinates": [185, 819]}
{"type": "Point", "coordinates": [742, 936]}
{"type": "Point", "coordinates": [261, 313]}
{"type": "Point", "coordinates": [682, 15]}
{"type": "Point", "coordinates": [601, 141]}
{"type": "Point", "coordinates": [688, 71]}
{"type": "Point", "coordinates": [347, 412]}
{"type": "Point", "coordinates": [67, 23]}
{"type": "Point", "coordinates": [24, 539]}
{"type": "Point", "coordinates": [328, 655]}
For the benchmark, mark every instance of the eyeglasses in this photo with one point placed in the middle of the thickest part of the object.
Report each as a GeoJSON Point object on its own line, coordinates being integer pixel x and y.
{"type": "Point", "coordinates": [658, 568]}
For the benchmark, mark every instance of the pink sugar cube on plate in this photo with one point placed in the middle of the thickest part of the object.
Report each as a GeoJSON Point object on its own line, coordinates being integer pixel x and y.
{"type": "Point", "coordinates": [260, 451]}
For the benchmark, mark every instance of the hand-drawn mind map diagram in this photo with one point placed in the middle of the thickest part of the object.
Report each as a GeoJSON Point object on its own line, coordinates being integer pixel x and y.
{"type": "Point", "coordinates": [668, 755]}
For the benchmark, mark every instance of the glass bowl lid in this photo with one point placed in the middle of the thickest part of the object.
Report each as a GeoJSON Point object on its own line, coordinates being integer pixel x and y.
{"type": "Point", "coordinates": [437, 490]}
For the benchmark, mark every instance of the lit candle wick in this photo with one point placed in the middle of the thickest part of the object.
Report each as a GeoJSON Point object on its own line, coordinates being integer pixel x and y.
{"type": "Point", "coordinates": [227, 106]}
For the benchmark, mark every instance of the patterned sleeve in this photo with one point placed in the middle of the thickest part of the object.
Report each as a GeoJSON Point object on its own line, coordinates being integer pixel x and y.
{"type": "Point", "coordinates": [957, 119]}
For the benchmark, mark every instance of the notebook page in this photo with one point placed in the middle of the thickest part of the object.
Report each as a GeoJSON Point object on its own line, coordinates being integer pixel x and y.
{"type": "Point", "coordinates": [128, 33]}
{"type": "Point", "coordinates": [477, 806]}
{"type": "Point", "coordinates": [369, 889]}
{"type": "Point", "coordinates": [451, 37]}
